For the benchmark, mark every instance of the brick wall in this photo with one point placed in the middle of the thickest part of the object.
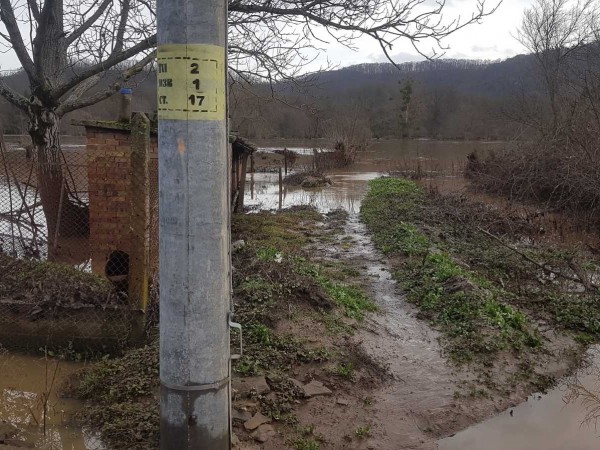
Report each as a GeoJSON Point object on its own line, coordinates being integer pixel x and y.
{"type": "Point", "coordinates": [109, 181]}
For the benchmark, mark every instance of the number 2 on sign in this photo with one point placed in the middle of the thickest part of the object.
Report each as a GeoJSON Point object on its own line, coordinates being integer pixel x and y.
{"type": "Point", "coordinates": [196, 99]}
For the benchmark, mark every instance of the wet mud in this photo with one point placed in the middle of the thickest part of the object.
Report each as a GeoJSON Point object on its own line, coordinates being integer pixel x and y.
{"type": "Point", "coordinates": [419, 404]}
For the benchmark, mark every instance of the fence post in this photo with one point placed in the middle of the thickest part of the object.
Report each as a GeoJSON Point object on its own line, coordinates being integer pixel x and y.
{"type": "Point", "coordinates": [280, 189]}
{"type": "Point", "coordinates": [139, 258]}
{"type": "Point", "coordinates": [239, 207]}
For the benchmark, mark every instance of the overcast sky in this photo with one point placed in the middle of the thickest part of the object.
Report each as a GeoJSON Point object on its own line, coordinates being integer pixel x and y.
{"type": "Point", "coordinates": [492, 39]}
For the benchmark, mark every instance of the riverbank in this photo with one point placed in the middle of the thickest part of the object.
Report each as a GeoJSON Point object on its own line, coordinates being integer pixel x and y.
{"type": "Point", "coordinates": [337, 356]}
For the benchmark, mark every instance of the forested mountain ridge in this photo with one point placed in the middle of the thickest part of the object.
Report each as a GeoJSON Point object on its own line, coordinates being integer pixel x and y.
{"type": "Point", "coordinates": [445, 98]}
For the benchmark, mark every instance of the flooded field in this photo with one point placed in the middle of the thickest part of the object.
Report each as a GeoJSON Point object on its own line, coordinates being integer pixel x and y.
{"type": "Point", "coordinates": [29, 385]}
{"type": "Point", "coordinates": [350, 183]}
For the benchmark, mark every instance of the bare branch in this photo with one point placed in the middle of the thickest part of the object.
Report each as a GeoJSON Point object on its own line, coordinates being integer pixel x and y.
{"type": "Point", "coordinates": [34, 8]}
{"type": "Point", "coordinates": [75, 102]}
{"type": "Point", "coordinates": [7, 16]}
{"type": "Point", "coordinates": [88, 23]}
{"type": "Point", "coordinates": [16, 99]}
{"type": "Point", "coordinates": [105, 65]}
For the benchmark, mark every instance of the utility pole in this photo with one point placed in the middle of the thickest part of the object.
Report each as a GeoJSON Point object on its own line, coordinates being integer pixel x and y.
{"type": "Point", "coordinates": [195, 266]}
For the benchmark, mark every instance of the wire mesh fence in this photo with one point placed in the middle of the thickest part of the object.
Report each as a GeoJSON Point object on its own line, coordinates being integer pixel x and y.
{"type": "Point", "coordinates": [75, 240]}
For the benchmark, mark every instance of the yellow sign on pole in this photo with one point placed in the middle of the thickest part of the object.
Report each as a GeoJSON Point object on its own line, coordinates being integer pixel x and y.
{"type": "Point", "coordinates": [190, 82]}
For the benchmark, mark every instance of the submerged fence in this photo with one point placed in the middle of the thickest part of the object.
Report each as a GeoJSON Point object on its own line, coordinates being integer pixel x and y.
{"type": "Point", "coordinates": [24, 231]}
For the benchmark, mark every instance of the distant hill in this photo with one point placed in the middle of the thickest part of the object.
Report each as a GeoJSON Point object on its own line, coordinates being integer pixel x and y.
{"type": "Point", "coordinates": [473, 77]}
{"type": "Point", "coordinates": [444, 91]}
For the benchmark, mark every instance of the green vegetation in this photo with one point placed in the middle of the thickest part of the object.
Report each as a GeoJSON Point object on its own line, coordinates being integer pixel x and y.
{"type": "Point", "coordinates": [483, 296]}
{"type": "Point", "coordinates": [350, 298]}
{"type": "Point", "coordinates": [363, 432]}
{"type": "Point", "coordinates": [306, 439]}
{"type": "Point", "coordinates": [277, 286]}
{"type": "Point", "coordinates": [450, 296]}
{"type": "Point", "coordinates": [306, 444]}
{"type": "Point", "coordinates": [55, 283]}
{"type": "Point", "coordinates": [121, 398]}
{"type": "Point", "coordinates": [345, 370]}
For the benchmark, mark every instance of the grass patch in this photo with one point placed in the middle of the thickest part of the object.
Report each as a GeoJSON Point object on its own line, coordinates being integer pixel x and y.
{"type": "Point", "coordinates": [345, 370]}
{"type": "Point", "coordinates": [474, 315]}
{"type": "Point", "coordinates": [363, 432]}
{"type": "Point", "coordinates": [51, 284]}
{"type": "Point", "coordinates": [352, 299]}
{"type": "Point", "coordinates": [121, 398]}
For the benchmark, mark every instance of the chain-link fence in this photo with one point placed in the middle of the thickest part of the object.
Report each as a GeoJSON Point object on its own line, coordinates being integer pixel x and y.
{"type": "Point", "coordinates": [75, 251]}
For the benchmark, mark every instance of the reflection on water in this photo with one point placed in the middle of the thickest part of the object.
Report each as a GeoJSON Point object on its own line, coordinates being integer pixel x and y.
{"type": "Point", "coordinates": [262, 192]}
{"type": "Point", "coordinates": [350, 183]}
{"type": "Point", "coordinates": [28, 386]}
{"type": "Point", "coordinates": [544, 422]}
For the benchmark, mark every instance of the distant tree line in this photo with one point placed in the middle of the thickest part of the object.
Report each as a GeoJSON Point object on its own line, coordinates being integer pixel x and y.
{"type": "Point", "coordinates": [446, 99]}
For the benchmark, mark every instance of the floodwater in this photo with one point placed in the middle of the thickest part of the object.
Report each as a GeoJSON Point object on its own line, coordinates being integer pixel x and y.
{"type": "Point", "coordinates": [350, 183]}
{"type": "Point", "coordinates": [555, 421]}
{"type": "Point", "coordinates": [28, 235]}
{"type": "Point", "coordinates": [29, 386]}
{"type": "Point", "coordinates": [406, 346]}
{"type": "Point", "coordinates": [545, 421]}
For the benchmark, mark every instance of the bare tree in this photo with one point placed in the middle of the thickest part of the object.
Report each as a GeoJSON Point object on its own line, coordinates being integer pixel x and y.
{"type": "Point", "coordinates": [559, 166]}
{"type": "Point", "coordinates": [555, 32]}
{"type": "Point", "coordinates": [69, 46]}
{"type": "Point", "coordinates": [66, 47]}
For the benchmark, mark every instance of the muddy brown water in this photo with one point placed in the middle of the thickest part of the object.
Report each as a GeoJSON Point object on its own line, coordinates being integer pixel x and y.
{"type": "Point", "coordinates": [25, 381]}
{"type": "Point", "coordinates": [406, 412]}
{"type": "Point", "coordinates": [545, 422]}
{"type": "Point", "coordinates": [350, 183]}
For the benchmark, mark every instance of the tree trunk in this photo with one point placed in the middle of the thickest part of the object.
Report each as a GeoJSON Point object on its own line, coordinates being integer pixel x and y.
{"type": "Point", "coordinates": [64, 218]}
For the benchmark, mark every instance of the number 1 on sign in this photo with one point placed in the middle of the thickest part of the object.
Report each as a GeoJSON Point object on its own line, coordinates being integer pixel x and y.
{"type": "Point", "coordinates": [196, 99]}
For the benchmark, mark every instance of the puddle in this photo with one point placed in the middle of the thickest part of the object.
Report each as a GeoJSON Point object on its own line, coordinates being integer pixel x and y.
{"type": "Point", "coordinates": [24, 383]}
{"type": "Point", "coordinates": [543, 422]}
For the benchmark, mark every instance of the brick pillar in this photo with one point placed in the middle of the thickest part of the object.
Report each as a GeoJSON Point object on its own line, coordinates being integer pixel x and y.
{"type": "Point", "coordinates": [108, 184]}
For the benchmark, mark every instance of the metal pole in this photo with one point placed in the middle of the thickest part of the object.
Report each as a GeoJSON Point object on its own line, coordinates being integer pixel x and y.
{"type": "Point", "coordinates": [195, 263]}
{"type": "Point", "coordinates": [280, 188]}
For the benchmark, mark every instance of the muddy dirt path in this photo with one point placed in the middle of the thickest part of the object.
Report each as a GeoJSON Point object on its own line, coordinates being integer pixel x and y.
{"type": "Point", "coordinates": [419, 403]}
{"type": "Point", "coordinates": [416, 401]}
